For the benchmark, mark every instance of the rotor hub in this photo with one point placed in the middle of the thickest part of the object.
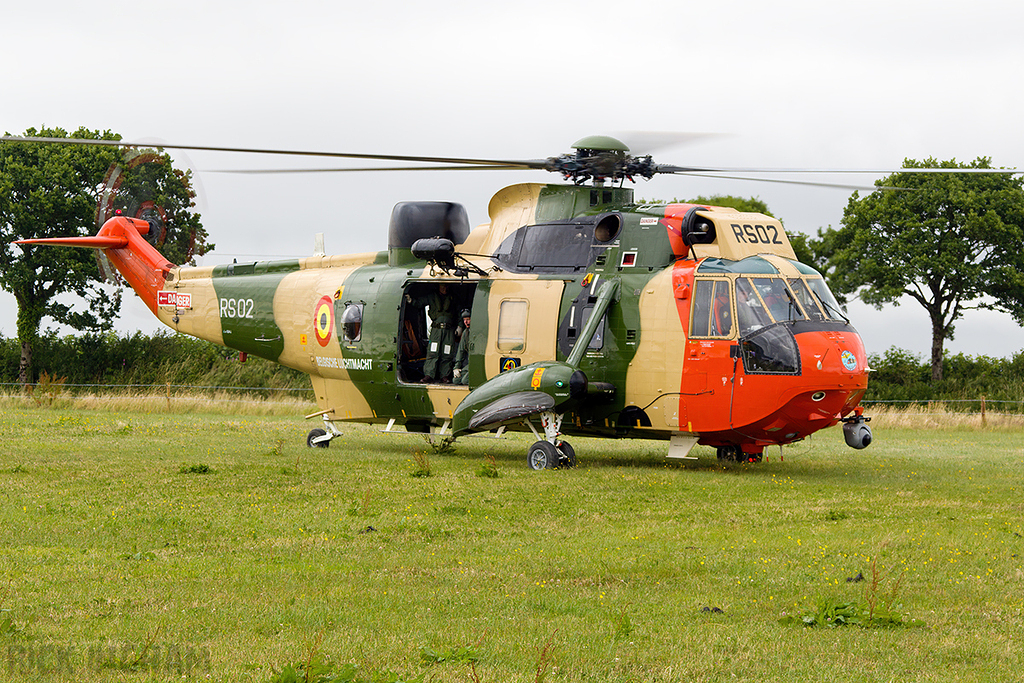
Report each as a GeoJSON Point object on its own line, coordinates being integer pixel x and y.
{"type": "Point", "coordinates": [600, 158]}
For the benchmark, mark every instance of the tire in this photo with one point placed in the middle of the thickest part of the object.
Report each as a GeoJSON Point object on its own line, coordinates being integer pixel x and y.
{"type": "Point", "coordinates": [729, 453]}
{"type": "Point", "coordinates": [568, 455]}
{"type": "Point", "coordinates": [542, 455]}
{"type": "Point", "coordinates": [314, 433]}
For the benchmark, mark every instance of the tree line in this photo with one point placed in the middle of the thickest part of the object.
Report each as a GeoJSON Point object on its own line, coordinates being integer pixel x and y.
{"type": "Point", "coordinates": [137, 359]}
{"type": "Point", "coordinates": [900, 375]}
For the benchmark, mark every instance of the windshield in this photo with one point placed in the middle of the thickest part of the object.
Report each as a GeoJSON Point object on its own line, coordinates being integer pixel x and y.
{"type": "Point", "coordinates": [760, 302]}
{"type": "Point", "coordinates": [750, 310]}
{"type": "Point", "coordinates": [828, 301]}
{"type": "Point", "coordinates": [779, 300]}
{"type": "Point", "coordinates": [806, 299]}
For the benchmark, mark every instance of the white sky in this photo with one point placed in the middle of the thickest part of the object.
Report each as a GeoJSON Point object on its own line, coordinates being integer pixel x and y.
{"type": "Point", "coordinates": [790, 83]}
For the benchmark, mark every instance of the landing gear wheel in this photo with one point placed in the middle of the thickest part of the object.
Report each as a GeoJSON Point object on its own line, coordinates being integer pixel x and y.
{"type": "Point", "coordinates": [314, 433]}
{"type": "Point", "coordinates": [729, 453]}
{"type": "Point", "coordinates": [542, 455]}
{"type": "Point", "coordinates": [568, 455]}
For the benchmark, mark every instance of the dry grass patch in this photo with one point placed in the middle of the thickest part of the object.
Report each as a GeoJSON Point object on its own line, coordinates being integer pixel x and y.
{"type": "Point", "coordinates": [178, 402]}
{"type": "Point", "coordinates": [941, 416]}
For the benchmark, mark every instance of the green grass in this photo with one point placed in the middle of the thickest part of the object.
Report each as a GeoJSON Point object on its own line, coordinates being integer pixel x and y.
{"type": "Point", "coordinates": [134, 547]}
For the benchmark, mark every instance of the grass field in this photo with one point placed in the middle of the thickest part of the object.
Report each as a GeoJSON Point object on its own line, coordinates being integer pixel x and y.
{"type": "Point", "coordinates": [155, 546]}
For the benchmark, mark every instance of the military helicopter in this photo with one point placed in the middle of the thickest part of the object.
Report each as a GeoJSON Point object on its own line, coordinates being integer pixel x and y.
{"type": "Point", "coordinates": [574, 311]}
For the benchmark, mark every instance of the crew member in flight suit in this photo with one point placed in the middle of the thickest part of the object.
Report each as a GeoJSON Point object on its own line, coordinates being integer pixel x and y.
{"type": "Point", "coordinates": [461, 371]}
{"type": "Point", "coordinates": [441, 342]}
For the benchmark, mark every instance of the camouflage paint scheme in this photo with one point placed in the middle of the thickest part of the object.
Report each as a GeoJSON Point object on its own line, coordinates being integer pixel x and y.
{"type": "Point", "coordinates": [678, 385]}
{"type": "Point", "coordinates": [647, 377]}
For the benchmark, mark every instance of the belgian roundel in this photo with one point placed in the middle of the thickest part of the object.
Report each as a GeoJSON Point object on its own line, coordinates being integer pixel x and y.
{"type": "Point", "coordinates": [323, 320]}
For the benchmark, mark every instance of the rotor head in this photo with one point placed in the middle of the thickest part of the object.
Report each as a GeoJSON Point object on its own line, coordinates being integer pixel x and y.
{"type": "Point", "coordinates": [601, 158]}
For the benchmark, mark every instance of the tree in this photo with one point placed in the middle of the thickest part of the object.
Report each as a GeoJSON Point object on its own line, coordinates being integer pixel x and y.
{"type": "Point", "coordinates": [53, 190]}
{"type": "Point", "coordinates": [950, 241]}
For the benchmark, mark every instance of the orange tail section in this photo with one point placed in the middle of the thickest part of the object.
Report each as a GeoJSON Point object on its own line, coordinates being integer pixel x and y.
{"type": "Point", "coordinates": [120, 238]}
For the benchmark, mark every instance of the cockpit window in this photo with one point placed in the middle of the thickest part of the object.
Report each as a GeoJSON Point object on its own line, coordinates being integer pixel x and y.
{"type": "Point", "coordinates": [712, 309]}
{"type": "Point", "coordinates": [828, 301]}
{"type": "Point", "coordinates": [779, 300]}
{"type": "Point", "coordinates": [806, 299]}
{"type": "Point", "coordinates": [750, 310]}
{"type": "Point", "coordinates": [760, 302]}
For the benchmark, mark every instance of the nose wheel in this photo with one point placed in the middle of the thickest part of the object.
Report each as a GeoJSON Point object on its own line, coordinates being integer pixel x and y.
{"type": "Point", "coordinates": [736, 454]}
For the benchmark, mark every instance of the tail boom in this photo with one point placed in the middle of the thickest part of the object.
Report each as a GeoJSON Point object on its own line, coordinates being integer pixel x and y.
{"type": "Point", "coordinates": [143, 267]}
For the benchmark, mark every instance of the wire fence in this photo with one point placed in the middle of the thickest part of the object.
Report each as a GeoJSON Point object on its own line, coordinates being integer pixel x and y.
{"type": "Point", "coordinates": [161, 387]}
{"type": "Point", "coordinates": [110, 392]}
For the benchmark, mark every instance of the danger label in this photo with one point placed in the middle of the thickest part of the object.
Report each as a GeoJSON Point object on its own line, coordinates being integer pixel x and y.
{"type": "Point", "coordinates": [173, 299]}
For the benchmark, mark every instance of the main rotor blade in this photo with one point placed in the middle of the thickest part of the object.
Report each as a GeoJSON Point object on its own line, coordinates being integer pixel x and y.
{"type": "Point", "coordinates": [666, 168]}
{"type": "Point", "coordinates": [259, 171]}
{"type": "Point", "coordinates": [536, 163]}
{"type": "Point", "coordinates": [503, 164]}
{"type": "Point", "coordinates": [783, 181]}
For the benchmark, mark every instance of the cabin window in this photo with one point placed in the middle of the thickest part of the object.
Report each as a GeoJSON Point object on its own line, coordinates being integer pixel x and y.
{"type": "Point", "coordinates": [512, 317]}
{"type": "Point", "coordinates": [556, 246]}
{"type": "Point", "coordinates": [352, 323]}
{"type": "Point", "coordinates": [712, 309]}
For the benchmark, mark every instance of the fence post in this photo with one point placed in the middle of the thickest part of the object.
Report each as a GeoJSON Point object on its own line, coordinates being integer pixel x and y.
{"type": "Point", "coordinates": [168, 397]}
{"type": "Point", "coordinates": [984, 422]}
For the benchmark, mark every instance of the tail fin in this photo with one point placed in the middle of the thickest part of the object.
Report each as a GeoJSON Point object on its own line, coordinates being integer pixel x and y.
{"type": "Point", "coordinates": [120, 238]}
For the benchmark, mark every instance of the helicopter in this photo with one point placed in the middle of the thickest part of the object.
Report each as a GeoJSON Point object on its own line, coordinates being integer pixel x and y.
{"type": "Point", "coordinates": [575, 311]}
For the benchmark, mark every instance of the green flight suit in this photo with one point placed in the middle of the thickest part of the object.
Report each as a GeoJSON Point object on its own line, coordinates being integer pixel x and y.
{"type": "Point", "coordinates": [462, 359]}
{"type": "Point", "coordinates": [441, 342]}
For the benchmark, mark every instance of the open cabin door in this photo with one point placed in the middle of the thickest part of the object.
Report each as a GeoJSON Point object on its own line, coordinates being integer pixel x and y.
{"type": "Point", "coordinates": [430, 325]}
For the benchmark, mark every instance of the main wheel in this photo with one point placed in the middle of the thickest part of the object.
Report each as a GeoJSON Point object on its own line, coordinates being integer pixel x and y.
{"type": "Point", "coordinates": [542, 455]}
{"type": "Point", "coordinates": [568, 455]}
{"type": "Point", "coordinates": [314, 433]}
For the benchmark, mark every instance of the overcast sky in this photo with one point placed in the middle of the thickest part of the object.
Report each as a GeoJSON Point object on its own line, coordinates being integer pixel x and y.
{"type": "Point", "coordinates": [788, 83]}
